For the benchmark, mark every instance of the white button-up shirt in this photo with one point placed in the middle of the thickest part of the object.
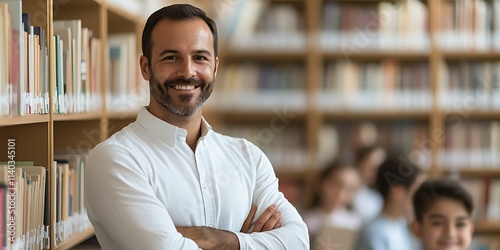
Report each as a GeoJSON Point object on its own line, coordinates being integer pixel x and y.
{"type": "Point", "coordinates": [145, 180]}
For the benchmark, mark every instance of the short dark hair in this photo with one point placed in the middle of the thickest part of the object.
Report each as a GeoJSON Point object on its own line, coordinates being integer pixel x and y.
{"type": "Point", "coordinates": [395, 170]}
{"type": "Point", "coordinates": [366, 151]}
{"type": "Point", "coordinates": [432, 190]}
{"type": "Point", "coordinates": [175, 12]}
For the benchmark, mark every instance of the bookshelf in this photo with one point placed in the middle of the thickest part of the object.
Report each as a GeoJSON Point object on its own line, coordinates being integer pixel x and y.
{"type": "Point", "coordinates": [431, 32]}
{"type": "Point", "coordinates": [39, 137]}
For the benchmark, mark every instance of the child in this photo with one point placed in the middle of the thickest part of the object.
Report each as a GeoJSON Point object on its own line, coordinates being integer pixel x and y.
{"type": "Point", "coordinates": [443, 215]}
{"type": "Point", "coordinates": [368, 202]}
{"type": "Point", "coordinates": [337, 186]}
{"type": "Point", "coordinates": [396, 180]}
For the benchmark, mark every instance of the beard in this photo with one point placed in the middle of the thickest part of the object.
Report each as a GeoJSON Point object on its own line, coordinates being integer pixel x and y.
{"type": "Point", "coordinates": [159, 91]}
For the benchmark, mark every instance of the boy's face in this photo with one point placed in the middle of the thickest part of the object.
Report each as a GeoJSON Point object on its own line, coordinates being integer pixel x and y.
{"type": "Point", "coordinates": [445, 226]}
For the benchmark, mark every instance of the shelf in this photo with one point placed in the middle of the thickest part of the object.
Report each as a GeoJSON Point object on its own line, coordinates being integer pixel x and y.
{"type": "Point", "coordinates": [487, 228]}
{"type": "Point", "coordinates": [76, 239]}
{"type": "Point", "coordinates": [77, 117]}
{"type": "Point", "coordinates": [292, 174]}
{"type": "Point", "coordinates": [263, 54]}
{"type": "Point", "coordinates": [472, 55]}
{"type": "Point", "coordinates": [122, 115]}
{"type": "Point", "coordinates": [26, 119]}
{"type": "Point", "coordinates": [254, 115]}
{"type": "Point", "coordinates": [470, 114]}
{"type": "Point", "coordinates": [377, 115]}
{"type": "Point", "coordinates": [378, 55]}
{"type": "Point", "coordinates": [474, 173]}
{"type": "Point", "coordinates": [121, 13]}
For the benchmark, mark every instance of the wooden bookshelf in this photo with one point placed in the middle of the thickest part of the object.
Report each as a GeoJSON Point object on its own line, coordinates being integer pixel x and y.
{"type": "Point", "coordinates": [26, 119]}
{"type": "Point", "coordinates": [76, 239]}
{"type": "Point", "coordinates": [39, 136]}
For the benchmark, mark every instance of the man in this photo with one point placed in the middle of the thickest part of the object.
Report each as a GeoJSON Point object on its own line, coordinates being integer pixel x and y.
{"type": "Point", "coordinates": [168, 181]}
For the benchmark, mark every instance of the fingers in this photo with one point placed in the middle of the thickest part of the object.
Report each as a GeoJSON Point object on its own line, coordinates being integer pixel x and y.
{"type": "Point", "coordinates": [264, 218]}
{"type": "Point", "coordinates": [278, 224]}
{"type": "Point", "coordinates": [271, 223]}
{"type": "Point", "coordinates": [249, 219]}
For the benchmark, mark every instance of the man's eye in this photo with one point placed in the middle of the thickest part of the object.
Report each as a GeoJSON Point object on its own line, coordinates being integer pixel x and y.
{"type": "Point", "coordinates": [169, 58]}
{"type": "Point", "coordinates": [460, 224]}
{"type": "Point", "coordinates": [201, 58]}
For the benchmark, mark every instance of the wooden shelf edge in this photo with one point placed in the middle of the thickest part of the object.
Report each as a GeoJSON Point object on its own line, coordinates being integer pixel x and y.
{"type": "Point", "coordinates": [122, 115]}
{"type": "Point", "coordinates": [123, 12]}
{"type": "Point", "coordinates": [26, 119]}
{"type": "Point", "coordinates": [493, 172]}
{"type": "Point", "coordinates": [468, 55]}
{"type": "Point", "coordinates": [77, 117]}
{"type": "Point", "coordinates": [376, 55]}
{"type": "Point", "coordinates": [487, 228]}
{"type": "Point", "coordinates": [76, 239]}
{"type": "Point", "coordinates": [379, 115]}
{"type": "Point", "coordinates": [471, 114]}
{"type": "Point", "coordinates": [291, 174]}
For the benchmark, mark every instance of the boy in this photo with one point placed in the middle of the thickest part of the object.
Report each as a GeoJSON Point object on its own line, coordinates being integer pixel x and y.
{"type": "Point", "coordinates": [443, 215]}
{"type": "Point", "coordinates": [396, 180]}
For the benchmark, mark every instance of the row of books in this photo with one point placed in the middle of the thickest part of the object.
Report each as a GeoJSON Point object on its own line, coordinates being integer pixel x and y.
{"type": "Point", "coordinates": [471, 144]}
{"type": "Point", "coordinates": [24, 74]}
{"type": "Point", "coordinates": [354, 27]}
{"type": "Point", "coordinates": [379, 86]}
{"type": "Point", "coordinates": [23, 210]}
{"type": "Point", "coordinates": [125, 90]}
{"type": "Point", "coordinates": [77, 53]}
{"type": "Point", "coordinates": [284, 144]}
{"type": "Point", "coordinates": [470, 85]}
{"type": "Point", "coordinates": [486, 195]}
{"type": "Point", "coordinates": [258, 86]}
{"type": "Point", "coordinates": [256, 24]}
{"type": "Point", "coordinates": [71, 216]}
{"type": "Point", "coordinates": [78, 68]}
{"type": "Point", "coordinates": [469, 25]}
{"type": "Point", "coordinates": [340, 141]}
{"type": "Point", "coordinates": [24, 202]}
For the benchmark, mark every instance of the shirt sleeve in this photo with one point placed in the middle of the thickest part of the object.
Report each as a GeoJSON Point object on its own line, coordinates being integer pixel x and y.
{"type": "Point", "coordinates": [293, 233]}
{"type": "Point", "coordinates": [369, 239]}
{"type": "Point", "coordinates": [122, 205]}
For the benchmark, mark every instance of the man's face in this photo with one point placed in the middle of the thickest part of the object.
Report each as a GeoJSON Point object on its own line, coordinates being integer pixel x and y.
{"type": "Point", "coordinates": [182, 67]}
{"type": "Point", "coordinates": [445, 226]}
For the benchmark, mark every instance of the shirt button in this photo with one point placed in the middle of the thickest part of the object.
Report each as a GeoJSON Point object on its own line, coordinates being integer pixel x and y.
{"type": "Point", "coordinates": [205, 187]}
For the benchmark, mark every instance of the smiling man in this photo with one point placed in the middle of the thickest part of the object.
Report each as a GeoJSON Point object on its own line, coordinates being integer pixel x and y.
{"type": "Point", "coordinates": [157, 183]}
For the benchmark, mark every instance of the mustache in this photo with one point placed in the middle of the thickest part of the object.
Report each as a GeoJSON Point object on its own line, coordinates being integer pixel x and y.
{"type": "Point", "coordinates": [190, 81]}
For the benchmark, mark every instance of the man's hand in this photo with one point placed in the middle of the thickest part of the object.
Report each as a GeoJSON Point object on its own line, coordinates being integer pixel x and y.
{"type": "Point", "coordinates": [269, 220]}
{"type": "Point", "coordinates": [210, 238]}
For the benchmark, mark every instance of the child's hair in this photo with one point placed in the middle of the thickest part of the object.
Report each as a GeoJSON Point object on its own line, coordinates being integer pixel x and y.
{"type": "Point", "coordinates": [365, 151]}
{"type": "Point", "coordinates": [395, 171]}
{"type": "Point", "coordinates": [432, 190]}
{"type": "Point", "coordinates": [331, 168]}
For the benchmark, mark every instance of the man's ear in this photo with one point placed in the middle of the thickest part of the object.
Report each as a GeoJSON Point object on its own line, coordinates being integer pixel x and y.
{"type": "Point", "coordinates": [144, 63]}
{"type": "Point", "coordinates": [216, 66]}
{"type": "Point", "coordinates": [416, 229]}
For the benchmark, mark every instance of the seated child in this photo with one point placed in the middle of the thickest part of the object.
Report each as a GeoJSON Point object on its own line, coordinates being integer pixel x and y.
{"type": "Point", "coordinates": [337, 186]}
{"type": "Point", "coordinates": [443, 211]}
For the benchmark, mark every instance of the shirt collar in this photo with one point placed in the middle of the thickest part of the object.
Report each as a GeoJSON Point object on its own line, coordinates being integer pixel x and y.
{"type": "Point", "coordinates": [164, 130]}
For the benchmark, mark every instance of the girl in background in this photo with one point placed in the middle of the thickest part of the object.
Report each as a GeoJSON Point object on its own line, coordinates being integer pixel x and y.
{"type": "Point", "coordinates": [331, 208]}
